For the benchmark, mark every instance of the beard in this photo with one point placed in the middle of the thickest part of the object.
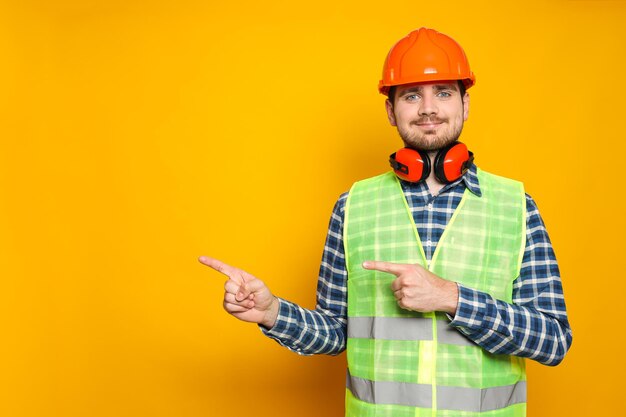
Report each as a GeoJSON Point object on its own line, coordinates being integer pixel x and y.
{"type": "Point", "coordinates": [415, 137]}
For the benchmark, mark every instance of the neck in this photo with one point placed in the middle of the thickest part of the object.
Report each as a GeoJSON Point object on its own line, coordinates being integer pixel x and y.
{"type": "Point", "coordinates": [434, 185]}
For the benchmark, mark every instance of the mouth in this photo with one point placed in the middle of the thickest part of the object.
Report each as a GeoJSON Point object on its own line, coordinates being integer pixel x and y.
{"type": "Point", "coordinates": [429, 125]}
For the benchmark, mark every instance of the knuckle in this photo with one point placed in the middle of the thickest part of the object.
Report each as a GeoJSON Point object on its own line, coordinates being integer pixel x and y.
{"type": "Point", "coordinates": [228, 288]}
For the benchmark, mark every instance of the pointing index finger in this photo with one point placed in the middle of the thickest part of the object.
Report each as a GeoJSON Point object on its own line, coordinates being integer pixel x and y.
{"type": "Point", "coordinates": [395, 269]}
{"type": "Point", "coordinates": [218, 265]}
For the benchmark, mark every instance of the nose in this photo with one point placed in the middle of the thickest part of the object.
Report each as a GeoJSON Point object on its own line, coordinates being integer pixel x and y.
{"type": "Point", "coordinates": [428, 106]}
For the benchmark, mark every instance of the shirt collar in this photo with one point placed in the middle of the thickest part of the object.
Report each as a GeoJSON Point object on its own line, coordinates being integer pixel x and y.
{"type": "Point", "coordinates": [470, 178]}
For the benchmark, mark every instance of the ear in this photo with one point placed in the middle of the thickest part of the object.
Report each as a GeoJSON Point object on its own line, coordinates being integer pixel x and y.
{"type": "Point", "coordinates": [390, 115]}
{"type": "Point", "coordinates": [466, 105]}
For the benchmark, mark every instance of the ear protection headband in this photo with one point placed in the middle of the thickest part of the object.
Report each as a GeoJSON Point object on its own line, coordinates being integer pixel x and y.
{"type": "Point", "coordinates": [450, 163]}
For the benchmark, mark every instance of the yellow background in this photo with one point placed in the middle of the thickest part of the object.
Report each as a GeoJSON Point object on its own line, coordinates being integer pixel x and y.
{"type": "Point", "coordinates": [138, 135]}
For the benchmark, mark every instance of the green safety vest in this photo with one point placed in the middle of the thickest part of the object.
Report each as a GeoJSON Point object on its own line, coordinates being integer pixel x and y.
{"type": "Point", "coordinates": [403, 363]}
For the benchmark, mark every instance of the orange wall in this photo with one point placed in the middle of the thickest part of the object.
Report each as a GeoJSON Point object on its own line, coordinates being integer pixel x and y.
{"type": "Point", "coordinates": [138, 135]}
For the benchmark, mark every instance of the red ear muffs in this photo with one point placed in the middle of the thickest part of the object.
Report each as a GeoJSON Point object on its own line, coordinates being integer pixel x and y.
{"type": "Point", "coordinates": [450, 163]}
{"type": "Point", "coordinates": [410, 164]}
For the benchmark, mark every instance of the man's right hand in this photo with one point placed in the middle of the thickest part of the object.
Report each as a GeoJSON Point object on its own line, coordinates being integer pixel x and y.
{"type": "Point", "coordinates": [245, 297]}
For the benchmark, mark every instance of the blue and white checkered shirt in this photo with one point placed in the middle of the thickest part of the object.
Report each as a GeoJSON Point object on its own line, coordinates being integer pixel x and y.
{"type": "Point", "coordinates": [534, 326]}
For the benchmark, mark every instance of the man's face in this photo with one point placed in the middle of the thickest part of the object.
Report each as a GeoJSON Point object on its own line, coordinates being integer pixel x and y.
{"type": "Point", "coordinates": [428, 116]}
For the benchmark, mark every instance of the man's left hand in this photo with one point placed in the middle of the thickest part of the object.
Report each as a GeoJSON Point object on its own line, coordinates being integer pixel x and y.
{"type": "Point", "coordinates": [418, 289]}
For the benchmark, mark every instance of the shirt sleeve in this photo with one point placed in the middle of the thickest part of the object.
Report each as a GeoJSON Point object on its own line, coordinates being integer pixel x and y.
{"type": "Point", "coordinates": [535, 325]}
{"type": "Point", "coordinates": [322, 330]}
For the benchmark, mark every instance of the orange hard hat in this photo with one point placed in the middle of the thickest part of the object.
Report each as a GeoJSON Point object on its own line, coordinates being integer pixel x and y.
{"type": "Point", "coordinates": [425, 55]}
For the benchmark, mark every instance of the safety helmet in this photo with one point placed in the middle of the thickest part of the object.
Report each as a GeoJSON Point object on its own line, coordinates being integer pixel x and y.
{"type": "Point", "coordinates": [425, 55]}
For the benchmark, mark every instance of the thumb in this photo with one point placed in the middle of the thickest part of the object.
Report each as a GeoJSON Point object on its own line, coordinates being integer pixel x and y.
{"type": "Point", "coordinates": [249, 287]}
{"type": "Point", "coordinates": [243, 292]}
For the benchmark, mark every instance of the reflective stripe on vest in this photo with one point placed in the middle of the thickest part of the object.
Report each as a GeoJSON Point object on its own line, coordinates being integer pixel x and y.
{"type": "Point", "coordinates": [405, 328]}
{"type": "Point", "coordinates": [404, 363]}
{"type": "Point", "coordinates": [448, 398]}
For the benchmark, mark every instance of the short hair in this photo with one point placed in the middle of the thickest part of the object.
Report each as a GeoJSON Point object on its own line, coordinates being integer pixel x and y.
{"type": "Point", "coordinates": [391, 95]}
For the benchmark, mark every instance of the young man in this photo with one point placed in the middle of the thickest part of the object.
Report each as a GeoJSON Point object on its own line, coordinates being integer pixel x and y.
{"type": "Point", "coordinates": [437, 277]}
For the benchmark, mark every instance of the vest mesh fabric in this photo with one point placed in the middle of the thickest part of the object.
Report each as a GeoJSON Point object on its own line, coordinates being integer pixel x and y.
{"type": "Point", "coordinates": [421, 366]}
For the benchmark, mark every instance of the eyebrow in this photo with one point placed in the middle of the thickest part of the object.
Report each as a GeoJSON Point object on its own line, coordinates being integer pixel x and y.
{"type": "Point", "coordinates": [437, 87]}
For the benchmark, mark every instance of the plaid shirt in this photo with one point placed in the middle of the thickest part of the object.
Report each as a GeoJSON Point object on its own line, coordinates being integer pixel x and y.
{"type": "Point", "coordinates": [535, 325]}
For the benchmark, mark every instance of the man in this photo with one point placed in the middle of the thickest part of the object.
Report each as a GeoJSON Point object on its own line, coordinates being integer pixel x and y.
{"type": "Point", "coordinates": [438, 278]}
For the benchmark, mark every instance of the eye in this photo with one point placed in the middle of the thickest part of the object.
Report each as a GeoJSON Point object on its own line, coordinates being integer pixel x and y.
{"type": "Point", "coordinates": [411, 97]}
{"type": "Point", "coordinates": [444, 94]}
